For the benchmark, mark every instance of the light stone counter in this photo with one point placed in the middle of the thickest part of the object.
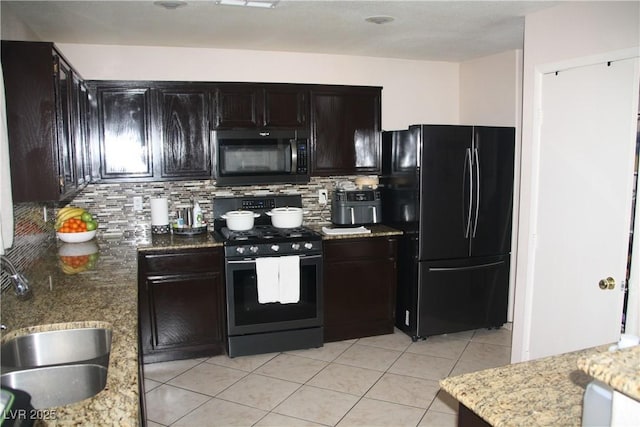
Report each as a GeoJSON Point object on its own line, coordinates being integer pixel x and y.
{"type": "Point", "coordinates": [542, 392]}
{"type": "Point", "coordinates": [105, 296]}
{"type": "Point", "coordinates": [377, 230]}
{"type": "Point", "coordinates": [619, 369]}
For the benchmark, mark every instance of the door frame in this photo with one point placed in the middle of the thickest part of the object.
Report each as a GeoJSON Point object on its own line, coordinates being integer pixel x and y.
{"type": "Point", "coordinates": [527, 217]}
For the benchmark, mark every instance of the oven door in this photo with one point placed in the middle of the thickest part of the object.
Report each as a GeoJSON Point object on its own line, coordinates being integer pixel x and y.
{"type": "Point", "coordinates": [245, 315]}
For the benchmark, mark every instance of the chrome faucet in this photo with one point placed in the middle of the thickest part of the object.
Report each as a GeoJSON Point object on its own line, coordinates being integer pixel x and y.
{"type": "Point", "coordinates": [20, 283]}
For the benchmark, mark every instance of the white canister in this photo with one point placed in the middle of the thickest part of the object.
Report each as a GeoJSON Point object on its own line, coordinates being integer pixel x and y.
{"type": "Point", "coordinates": [159, 211]}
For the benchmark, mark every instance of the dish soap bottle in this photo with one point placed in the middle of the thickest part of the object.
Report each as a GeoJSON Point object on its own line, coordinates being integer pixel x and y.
{"type": "Point", "coordinates": [197, 215]}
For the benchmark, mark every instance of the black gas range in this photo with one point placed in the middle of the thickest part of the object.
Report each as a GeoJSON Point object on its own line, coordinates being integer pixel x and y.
{"type": "Point", "coordinates": [253, 325]}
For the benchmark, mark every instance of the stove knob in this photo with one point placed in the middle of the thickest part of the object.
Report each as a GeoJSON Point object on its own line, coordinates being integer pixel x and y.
{"type": "Point", "coordinates": [240, 249]}
{"type": "Point", "coordinates": [308, 245]}
{"type": "Point", "coordinates": [254, 249]}
{"type": "Point", "coordinates": [275, 248]}
{"type": "Point", "coordinates": [295, 246]}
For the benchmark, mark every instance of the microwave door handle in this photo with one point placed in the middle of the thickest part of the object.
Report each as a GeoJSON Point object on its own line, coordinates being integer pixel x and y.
{"type": "Point", "coordinates": [294, 155]}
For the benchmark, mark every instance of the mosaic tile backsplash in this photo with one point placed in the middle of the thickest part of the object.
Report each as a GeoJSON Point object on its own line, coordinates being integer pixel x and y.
{"type": "Point", "coordinates": [112, 206]}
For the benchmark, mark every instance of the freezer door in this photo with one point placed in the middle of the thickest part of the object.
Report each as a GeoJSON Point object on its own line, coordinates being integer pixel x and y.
{"type": "Point", "coordinates": [493, 158]}
{"type": "Point", "coordinates": [457, 296]}
{"type": "Point", "coordinates": [445, 199]}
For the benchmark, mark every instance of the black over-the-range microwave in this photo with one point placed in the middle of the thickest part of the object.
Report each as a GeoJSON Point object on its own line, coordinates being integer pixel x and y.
{"type": "Point", "coordinates": [251, 157]}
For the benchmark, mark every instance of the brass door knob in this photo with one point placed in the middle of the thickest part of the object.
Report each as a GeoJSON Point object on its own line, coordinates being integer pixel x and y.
{"type": "Point", "coordinates": [608, 283]}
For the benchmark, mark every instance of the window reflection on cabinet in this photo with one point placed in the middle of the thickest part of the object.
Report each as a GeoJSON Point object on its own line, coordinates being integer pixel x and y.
{"type": "Point", "coordinates": [64, 94]}
{"type": "Point", "coordinates": [346, 130]}
{"type": "Point", "coordinates": [184, 133]}
{"type": "Point", "coordinates": [124, 128]}
{"type": "Point", "coordinates": [41, 121]}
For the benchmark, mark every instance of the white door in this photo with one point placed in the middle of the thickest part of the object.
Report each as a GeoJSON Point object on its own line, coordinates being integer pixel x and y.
{"type": "Point", "coordinates": [584, 196]}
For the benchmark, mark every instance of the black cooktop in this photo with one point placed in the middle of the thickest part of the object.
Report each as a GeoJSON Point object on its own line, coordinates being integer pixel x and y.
{"type": "Point", "coordinates": [267, 233]}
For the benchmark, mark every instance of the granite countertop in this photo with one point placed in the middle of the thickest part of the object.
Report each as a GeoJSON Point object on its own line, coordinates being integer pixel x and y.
{"type": "Point", "coordinates": [619, 369]}
{"type": "Point", "coordinates": [105, 296]}
{"type": "Point", "coordinates": [377, 230]}
{"type": "Point", "coordinates": [172, 241]}
{"type": "Point", "coordinates": [542, 392]}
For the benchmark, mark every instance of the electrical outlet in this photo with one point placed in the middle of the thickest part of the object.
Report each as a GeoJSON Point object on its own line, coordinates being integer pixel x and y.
{"type": "Point", "coordinates": [322, 196]}
{"type": "Point", "coordinates": [137, 203]}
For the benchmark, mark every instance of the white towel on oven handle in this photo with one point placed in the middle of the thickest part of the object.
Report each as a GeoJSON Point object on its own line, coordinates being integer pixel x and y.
{"type": "Point", "coordinates": [267, 278]}
{"type": "Point", "coordinates": [289, 279]}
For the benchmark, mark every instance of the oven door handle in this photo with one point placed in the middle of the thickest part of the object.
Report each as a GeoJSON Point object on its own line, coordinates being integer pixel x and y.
{"type": "Point", "coordinates": [252, 261]}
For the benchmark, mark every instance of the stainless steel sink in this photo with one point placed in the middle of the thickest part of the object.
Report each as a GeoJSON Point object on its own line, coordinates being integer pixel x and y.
{"type": "Point", "coordinates": [57, 347]}
{"type": "Point", "coordinates": [58, 385]}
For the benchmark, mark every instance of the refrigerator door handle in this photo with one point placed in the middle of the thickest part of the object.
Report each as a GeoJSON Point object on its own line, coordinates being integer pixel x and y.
{"type": "Point", "coordinates": [467, 173]}
{"type": "Point", "coordinates": [471, 267]}
{"type": "Point", "coordinates": [477, 185]}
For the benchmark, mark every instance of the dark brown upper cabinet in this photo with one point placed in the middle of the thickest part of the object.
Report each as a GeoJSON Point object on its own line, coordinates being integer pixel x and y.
{"type": "Point", "coordinates": [152, 130]}
{"type": "Point", "coordinates": [261, 106]}
{"type": "Point", "coordinates": [47, 148]}
{"type": "Point", "coordinates": [345, 130]}
{"type": "Point", "coordinates": [124, 131]}
{"type": "Point", "coordinates": [184, 132]}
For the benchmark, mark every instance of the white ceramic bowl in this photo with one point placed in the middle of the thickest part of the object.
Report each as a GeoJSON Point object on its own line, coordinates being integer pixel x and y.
{"type": "Point", "coordinates": [240, 220]}
{"type": "Point", "coordinates": [85, 236]}
{"type": "Point", "coordinates": [286, 217]}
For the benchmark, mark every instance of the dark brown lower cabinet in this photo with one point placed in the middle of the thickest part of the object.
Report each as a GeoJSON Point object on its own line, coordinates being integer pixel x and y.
{"type": "Point", "coordinates": [468, 418]}
{"type": "Point", "coordinates": [181, 304]}
{"type": "Point", "coordinates": [359, 287]}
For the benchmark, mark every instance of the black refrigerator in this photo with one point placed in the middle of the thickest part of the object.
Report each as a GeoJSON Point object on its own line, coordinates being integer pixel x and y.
{"type": "Point", "coordinates": [450, 190]}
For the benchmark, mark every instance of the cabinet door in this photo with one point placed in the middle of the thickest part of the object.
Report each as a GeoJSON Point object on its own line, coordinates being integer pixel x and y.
{"type": "Point", "coordinates": [124, 132]}
{"type": "Point", "coordinates": [184, 131]}
{"type": "Point", "coordinates": [359, 287]}
{"type": "Point", "coordinates": [64, 111]}
{"type": "Point", "coordinates": [185, 310]}
{"type": "Point", "coordinates": [346, 137]}
{"type": "Point", "coordinates": [237, 106]}
{"type": "Point", "coordinates": [285, 106]}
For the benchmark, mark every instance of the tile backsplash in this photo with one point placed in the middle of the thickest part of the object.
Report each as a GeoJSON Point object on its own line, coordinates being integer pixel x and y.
{"type": "Point", "coordinates": [112, 205]}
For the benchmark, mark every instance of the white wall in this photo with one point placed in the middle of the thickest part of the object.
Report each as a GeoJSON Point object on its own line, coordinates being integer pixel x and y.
{"type": "Point", "coordinates": [490, 89]}
{"type": "Point", "coordinates": [413, 91]}
{"type": "Point", "coordinates": [560, 34]}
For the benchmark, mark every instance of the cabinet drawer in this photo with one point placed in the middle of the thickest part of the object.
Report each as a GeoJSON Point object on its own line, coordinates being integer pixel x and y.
{"type": "Point", "coordinates": [370, 247]}
{"type": "Point", "coordinates": [179, 262]}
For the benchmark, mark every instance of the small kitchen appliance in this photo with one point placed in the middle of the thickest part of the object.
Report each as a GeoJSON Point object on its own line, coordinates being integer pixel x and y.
{"type": "Point", "coordinates": [356, 207]}
{"type": "Point", "coordinates": [250, 157]}
{"type": "Point", "coordinates": [275, 256]}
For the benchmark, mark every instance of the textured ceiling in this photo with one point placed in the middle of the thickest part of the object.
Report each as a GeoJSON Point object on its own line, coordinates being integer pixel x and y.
{"type": "Point", "coordinates": [423, 30]}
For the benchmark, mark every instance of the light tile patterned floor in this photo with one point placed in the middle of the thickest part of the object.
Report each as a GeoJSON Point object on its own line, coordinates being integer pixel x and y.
{"type": "Point", "coordinates": [386, 380]}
